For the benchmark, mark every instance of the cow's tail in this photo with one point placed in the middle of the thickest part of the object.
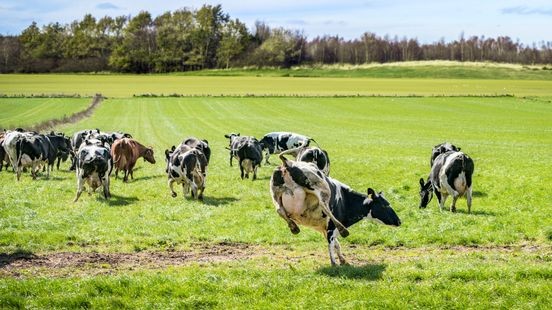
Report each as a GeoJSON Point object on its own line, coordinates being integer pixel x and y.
{"type": "Point", "coordinates": [311, 139]}
{"type": "Point", "coordinates": [18, 152]}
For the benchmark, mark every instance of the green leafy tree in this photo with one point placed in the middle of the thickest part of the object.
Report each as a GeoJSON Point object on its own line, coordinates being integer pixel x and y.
{"type": "Point", "coordinates": [234, 40]}
{"type": "Point", "coordinates": [135, 52]}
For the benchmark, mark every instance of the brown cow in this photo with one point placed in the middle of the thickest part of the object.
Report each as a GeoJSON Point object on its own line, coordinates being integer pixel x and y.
{"type": "Point", "coordinates": [125, 153]}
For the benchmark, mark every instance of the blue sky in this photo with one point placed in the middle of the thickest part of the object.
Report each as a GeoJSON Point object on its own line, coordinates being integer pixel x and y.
{"type": "Point", "coordinates": [428, 21]}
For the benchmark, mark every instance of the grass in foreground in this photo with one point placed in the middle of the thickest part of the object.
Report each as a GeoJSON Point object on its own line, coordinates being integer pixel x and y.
{"type": "Point", "coordinates": [498, 256]}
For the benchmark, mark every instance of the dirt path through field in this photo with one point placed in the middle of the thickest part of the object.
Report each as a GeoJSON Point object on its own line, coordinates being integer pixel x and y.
{"type": "Point", "coordinates": [77, 263]}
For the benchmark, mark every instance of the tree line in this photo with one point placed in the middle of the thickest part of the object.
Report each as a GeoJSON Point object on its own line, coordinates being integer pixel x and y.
{"type": "Point", "coordinates": [208, 38]}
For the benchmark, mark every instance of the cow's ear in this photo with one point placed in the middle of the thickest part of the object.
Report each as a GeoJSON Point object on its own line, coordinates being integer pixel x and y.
{"type": "Point", "coordinates": [205, 141]}
{"type": "Point", "coordinates": [238, 134]}
{"type": "Point", "coordinates": [459, 149]}
{"type": "Point", "coordinates": [227, 136]}
{"type": "Point", "coordinates": [173, 148]}
{"type": "Point", "coordinates": [167, 153]}
{"type": "Point", "coordinates": [422, 182]}
{"type": "Point", "coordinates": [371, 192]}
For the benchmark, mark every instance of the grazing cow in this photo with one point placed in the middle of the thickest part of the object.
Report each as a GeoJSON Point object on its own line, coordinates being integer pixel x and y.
{"type": "Point", "coordinates": [317, 156]}
{"type": "Point", "coordinates": [451, 174]}
{"type": "Point", "coordinates": [277, 142]}
{"type": "Point", "coordinates": [184, 166]}
{"type": "Point", "coordinates": [202, 145]}
{"type": "Point", "coordinates": [250, 156]}
{"type": "Point", "coordinates": [235, 142]}
{"type": "Point", "coordinates": [34, 151]}
{"type": "Point", "coordinates": [125, 152]}
{"type": "Point", "coordinates": [441, 149]}
{"type": "Point", "coordinates": [303, 195]}
{"type": "Point", "coordinates": [62, 146]}
{"type": "Point", "coordinates": [93, 167]}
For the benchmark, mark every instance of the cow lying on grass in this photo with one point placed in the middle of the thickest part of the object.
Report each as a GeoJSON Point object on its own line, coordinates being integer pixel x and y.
{"type": "Point", "coordinates": [303, 195]}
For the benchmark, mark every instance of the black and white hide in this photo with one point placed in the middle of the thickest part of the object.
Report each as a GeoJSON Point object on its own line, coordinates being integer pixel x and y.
{"type": "Point", "coordinates": [317, 156]}
{"type": "Point", "coordinates": [303, 195]}
{"type": "Point", "coordinates": [202, 145]}
{"type": "Point", "coordinates": [235, 141]}
{"type": "Point", "coordinates": [250, 156]}
{"type": "Point", "coordinates": [93, 167]}
{"type": "Point", "coordinates": [441, 149]}
{"type": "Point", "coordinates": [34, 151]}
{"type": "Point", "coordinates": [450, 175]}
{"type": "Point", "coordinates": [278, 142]}
{"type": "Point", "coordinates": [61, 145]}
{"type": "Point", "coordinates": [186, 166]}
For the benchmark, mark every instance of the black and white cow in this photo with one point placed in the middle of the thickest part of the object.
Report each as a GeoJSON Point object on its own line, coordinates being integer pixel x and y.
{"type": "Point", "coordinates": [303, 195]}
{"type": "Point", "coordinates": [250, 156]}
{"type": "Point", "coordinates": [235, 141]}
{"type": "Point", "coordinates": [62, 146]}
{"type": "Point", "coordinates": [34, 151]}
{"type": "Point", "coordinates": [317, 156]}
{"type": "Point", "coordinates": [10, 140]}
{"type": "Point", "coordinates": [277, 142]}
{"type": "Point", "coordinates": [185, 165]}
{"type": "Point", "coordinates": [79, 137]}
{"type": "Point", "coordinates": [441, 149]}
{"type": "Point", "coordinates": [93, 167]}
{"type": "Point", "coordinates": [202, 145]}
{"type": "Point", "coordinates": [3, 155]}
{"type": "Point", "coordinates": [451, 174]}
{"type": "Point", "coordinates": [117, 135]}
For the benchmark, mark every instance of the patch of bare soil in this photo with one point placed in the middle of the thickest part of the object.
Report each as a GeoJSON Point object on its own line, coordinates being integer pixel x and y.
{"type": "Point", "coordinates": [72, 263]}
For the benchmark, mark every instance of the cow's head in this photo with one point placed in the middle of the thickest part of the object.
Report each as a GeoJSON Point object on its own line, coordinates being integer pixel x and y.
{"type": "Point", "coordinates": [148, 155]}
{"type": "Point", "coordinates": [380, 210]}
{"type": "Point", "coordinates": [426, 192]}
{"type": "Point", "coordinates": [232, 136]}
{"type": "Point", "coordinates": [268, 142]}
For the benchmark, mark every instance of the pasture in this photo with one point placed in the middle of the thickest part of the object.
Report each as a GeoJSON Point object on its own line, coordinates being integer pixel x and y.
{"type": "Point", "coordinates": [143, 248]}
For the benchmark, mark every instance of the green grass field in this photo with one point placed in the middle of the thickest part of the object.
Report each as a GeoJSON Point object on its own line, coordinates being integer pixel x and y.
{"type": "Point", "coordinates": [113, 85]}
{"type": "Point", "coordinates": [233, 250]}
{"type": "Point", "coordinates": [21, 112]}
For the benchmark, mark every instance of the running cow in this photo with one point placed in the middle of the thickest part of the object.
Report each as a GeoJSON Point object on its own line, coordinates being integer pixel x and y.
{"type": "Point", "coordinates": [451, 174]}
{"type": "Point", "coordinates": [250, 156]}
{"type": "Point", "coordinates": [303, 195]}
{"type": "Point", "coordinates": [185, 165]}
{"type": "Point", "coordinates": [277, 142]}
{"type": "Point", "coordinates": [93, 167]}
{"type": "Point", "coordinates": [125, 152]}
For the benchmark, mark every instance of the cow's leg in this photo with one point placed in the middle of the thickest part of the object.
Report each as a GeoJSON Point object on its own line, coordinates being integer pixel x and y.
{"type": "Point", "coordinates": [324, 199]}
{"type": "Point", "coordinates": [105, 183]}
{"type": "Point", "coordinates": [267, 155]}
{"type": "Point", "coordinates": [241, 169]}
{"type": "Point", "coordinates": [131, 170]}
{"type": "Point", "coordinates": [186, 188]}
{"type": "Point", "coordinates": [80, 187]}
{"type": "Point", "coordinates": [231, 158]}
{"type": "Point", "coordinates": [58, 162]}
{"type": "Point", "coordinates": [116, 172]}
{"type": "Point", "coordinates": [469, 198]}
{"type": "Point", "coordinates": [18, 173]}
{"type": "Point", "coordinates": [334, 247]}
{"type": "Point", "coordinates": [193, 188]}
{"type": "Point", "coordinates": [331, 246]}
{"type": "Point", "coordinates": [442, 201]}
{"type": "Point", "coordinates": [171, 183]}
{"type": "Point", "coordinates": [277, 200]}
{"type": "Point", "coordinates": [255, 173]}
{"type": "Point", "coordinates": [453, 205]}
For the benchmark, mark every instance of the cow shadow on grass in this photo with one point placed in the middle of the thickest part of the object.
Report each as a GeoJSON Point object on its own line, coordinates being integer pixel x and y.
{"type": "Point", "coordinates": [7, 259]}
{"type": "Point", "coordinates": [479, 194]}
{"type": "Point", "coordinates": [117, 200]}
{"type": "Point", "coordinates": [218, 201]}
{"type": "Point", "coordinates": [370, 272]}
{"type": "Point", "coordinates": [475, 212]}
{"type": "Point", "coordinates": [140, 178]}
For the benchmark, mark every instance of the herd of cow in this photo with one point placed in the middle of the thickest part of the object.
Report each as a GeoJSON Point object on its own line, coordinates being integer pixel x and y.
{"type": "Point", "coordinates": [301, 189]}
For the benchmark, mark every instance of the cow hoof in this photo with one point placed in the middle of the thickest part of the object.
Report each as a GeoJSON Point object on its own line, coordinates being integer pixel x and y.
{"type": "Point", "coordinates": [173, 195]}
{"type": "Point", "coordinates": [295, 230]}
{"type": "Point", "coordinates": [344, 233]}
